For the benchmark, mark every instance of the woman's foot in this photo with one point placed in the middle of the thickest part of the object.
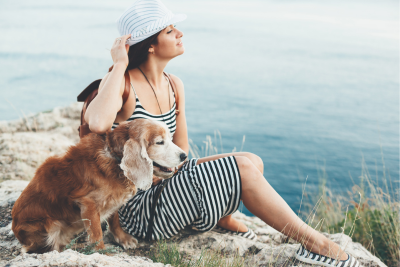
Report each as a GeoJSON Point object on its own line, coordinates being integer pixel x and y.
{"type": "Point", "coordinates": [232, 224]}
{"type": "Point", "coordinates": [317, 243]}
{"type": "Point", "coordinates": [234, 227]}
{"type": "Point", "coordinates": [249, 234]}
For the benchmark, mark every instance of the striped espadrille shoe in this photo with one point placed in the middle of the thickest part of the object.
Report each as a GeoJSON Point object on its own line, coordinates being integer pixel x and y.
{"type": "Point", "coordinates": [249, 234]}
{"type": "Point", "coordinates": [307, 256]}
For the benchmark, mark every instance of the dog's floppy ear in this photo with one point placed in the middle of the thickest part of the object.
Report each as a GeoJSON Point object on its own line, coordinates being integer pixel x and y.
{"type": "Point", "coordinates": [137, 165]}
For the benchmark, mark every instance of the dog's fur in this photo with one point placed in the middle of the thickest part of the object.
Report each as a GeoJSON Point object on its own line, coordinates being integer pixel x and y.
{"type": "Point", "coordinates": [86, 185]}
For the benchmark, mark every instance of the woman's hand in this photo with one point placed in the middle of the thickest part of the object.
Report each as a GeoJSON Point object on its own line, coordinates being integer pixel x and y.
{"type": "Point", "coordinates": [119, 50]}
{"type": "Point", "coordinates": [156, 180]}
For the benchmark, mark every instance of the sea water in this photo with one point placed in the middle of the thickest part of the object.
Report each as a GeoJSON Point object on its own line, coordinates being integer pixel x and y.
{"type": "Point", "coordinates": [312, 85]}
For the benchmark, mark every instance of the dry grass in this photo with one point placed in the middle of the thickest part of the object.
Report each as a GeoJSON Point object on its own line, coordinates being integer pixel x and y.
{"type": "Point", "coordinates": [211, 146]}
{"type": "Point", "coordinates": [369, 214]}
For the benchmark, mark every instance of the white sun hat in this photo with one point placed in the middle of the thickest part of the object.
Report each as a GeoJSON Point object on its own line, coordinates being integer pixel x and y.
{"type": "Point", "coordinates": [145, 18]}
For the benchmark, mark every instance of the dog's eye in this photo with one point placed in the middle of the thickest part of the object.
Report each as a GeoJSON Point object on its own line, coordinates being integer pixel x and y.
{"type": "Point", "coordinates": [160, 143]}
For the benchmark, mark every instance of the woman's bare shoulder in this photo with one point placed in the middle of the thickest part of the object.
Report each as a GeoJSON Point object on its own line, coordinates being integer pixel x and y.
{"type": "Point", "coordinates": [178, 82]}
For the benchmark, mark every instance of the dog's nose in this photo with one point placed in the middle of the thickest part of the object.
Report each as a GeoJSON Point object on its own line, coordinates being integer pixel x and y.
{"type": "Point", "coordinates": [183, 156]}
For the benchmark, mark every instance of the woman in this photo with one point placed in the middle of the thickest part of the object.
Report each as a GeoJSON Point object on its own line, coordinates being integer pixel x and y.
{"type": "Point", "coordinates": [207, 190]}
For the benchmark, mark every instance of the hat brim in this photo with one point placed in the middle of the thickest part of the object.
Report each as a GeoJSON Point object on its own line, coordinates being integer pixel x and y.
{"type": "Point", "coordinates": [175, 19]}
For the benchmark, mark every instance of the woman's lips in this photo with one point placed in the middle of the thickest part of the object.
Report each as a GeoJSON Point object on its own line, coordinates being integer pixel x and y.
{"type": "Point", "coordinates": [180, 44]}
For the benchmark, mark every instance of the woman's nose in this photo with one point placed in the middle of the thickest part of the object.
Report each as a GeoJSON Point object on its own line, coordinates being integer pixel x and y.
{"type": "Point", "coordinates": [180, 34]}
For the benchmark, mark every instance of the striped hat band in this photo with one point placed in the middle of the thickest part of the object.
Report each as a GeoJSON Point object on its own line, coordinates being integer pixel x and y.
{"type": "Point", "coordinates": [145, 18]}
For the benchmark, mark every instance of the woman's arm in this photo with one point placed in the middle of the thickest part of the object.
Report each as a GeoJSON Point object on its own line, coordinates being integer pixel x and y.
{"type": "Point", "coordinates": [180, 136]}
{"type": "Point", "coordinates": [103, 109]}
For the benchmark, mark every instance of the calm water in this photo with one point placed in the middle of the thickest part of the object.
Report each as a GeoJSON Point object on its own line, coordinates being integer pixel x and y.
{"type": "Point", "coordinates": [313, 86]}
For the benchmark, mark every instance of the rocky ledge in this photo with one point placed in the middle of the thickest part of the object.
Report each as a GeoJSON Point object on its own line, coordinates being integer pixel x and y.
{"type": "Point", "coordinates": [26, 143]}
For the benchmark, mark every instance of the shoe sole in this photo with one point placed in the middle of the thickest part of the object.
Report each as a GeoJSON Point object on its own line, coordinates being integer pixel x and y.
{"type": "Point", "coordinates": [314, 262]}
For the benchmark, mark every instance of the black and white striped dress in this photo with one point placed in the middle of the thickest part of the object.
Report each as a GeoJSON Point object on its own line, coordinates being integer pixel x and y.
{"type": "Point", "coordinates": [198, 195]}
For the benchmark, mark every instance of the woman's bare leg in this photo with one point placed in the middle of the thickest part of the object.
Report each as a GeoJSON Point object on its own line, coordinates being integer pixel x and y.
{"type": "Point", "coordinates": [264, 202]}
{"type": "Point", "coordinates": [228, 222]}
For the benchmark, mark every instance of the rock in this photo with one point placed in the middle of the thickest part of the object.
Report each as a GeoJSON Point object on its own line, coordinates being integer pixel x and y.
{"type": "Point", "coordinates": [9, 245]}
{"type": "Point", "coordinates": [21, 153]}
{"type": "Point", "coordinates": [10, 191]}
{"type": "Point", "coordinates": [27, 142]}
{"type": "Point", "coordinates": [45, 121]}
{"type": "Point", "coordinates": [72, 258]}
{"type": "Point", "coordinates": [282, 255]}
{"type": "Point", "coordinates": [193, 242]}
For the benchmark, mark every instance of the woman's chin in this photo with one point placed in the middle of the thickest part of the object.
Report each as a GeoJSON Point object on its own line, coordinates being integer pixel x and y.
{"type": "Point", "coordinates": [181, 50]}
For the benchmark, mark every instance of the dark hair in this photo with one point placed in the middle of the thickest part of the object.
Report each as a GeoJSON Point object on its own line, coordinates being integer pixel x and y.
{"type": "Point", "coordinates": [138, 53]}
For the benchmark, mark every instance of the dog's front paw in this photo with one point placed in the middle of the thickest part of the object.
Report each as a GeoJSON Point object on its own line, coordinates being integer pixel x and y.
{"type": "Point", "coordinates": [126, 241]}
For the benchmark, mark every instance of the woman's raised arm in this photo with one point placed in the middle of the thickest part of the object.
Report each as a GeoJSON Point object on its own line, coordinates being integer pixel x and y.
{"type": "Point", "coordinates": [181, 135]}
{"type": "Point", "coordinates": [103, 109]}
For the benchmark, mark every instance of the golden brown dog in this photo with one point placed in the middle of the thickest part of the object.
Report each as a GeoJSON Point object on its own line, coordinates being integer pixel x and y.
{"type": "Point", "coordinates": [90, 182]}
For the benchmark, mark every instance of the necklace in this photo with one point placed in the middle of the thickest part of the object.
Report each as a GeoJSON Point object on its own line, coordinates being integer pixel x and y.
{"type": "Point", "coordinates": [169, 102]}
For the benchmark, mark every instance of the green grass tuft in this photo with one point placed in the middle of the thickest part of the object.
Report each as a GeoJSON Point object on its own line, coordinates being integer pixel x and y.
{"type": "Point", "coordinates": [168, 253]}
{"type": "Point", "coordinates": [90, 248]}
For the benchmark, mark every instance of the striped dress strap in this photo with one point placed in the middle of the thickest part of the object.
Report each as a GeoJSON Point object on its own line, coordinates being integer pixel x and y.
{"type": "Point", "coordinates": [134, 91]}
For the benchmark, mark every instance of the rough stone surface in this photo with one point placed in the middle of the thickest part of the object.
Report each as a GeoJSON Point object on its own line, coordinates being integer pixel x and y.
{"type": "Point", "coordinates": [26, 143]}
{"type": "Point", "coordinates": [59, 117]}
{"type": "Point", "coordinates": [72, 258]}
{"type": "Point", "coordinates": [10, 191]}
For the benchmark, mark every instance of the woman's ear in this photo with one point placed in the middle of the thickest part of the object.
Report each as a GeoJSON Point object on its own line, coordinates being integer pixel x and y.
{"type": "Point", "coordinates": [137, 165]}
{"type": "Point", "coordinates": [151, 49]}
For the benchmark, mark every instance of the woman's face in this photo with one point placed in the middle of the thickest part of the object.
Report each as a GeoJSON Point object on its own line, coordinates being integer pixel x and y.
{"type": "Point", "coordinates": [170, 43]}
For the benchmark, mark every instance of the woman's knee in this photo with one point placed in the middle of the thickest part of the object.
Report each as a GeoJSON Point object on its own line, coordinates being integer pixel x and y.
{"type": "Point", "coordinates": [246, 167]}
{"type": "Point", "coordinates": [256, 160]}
